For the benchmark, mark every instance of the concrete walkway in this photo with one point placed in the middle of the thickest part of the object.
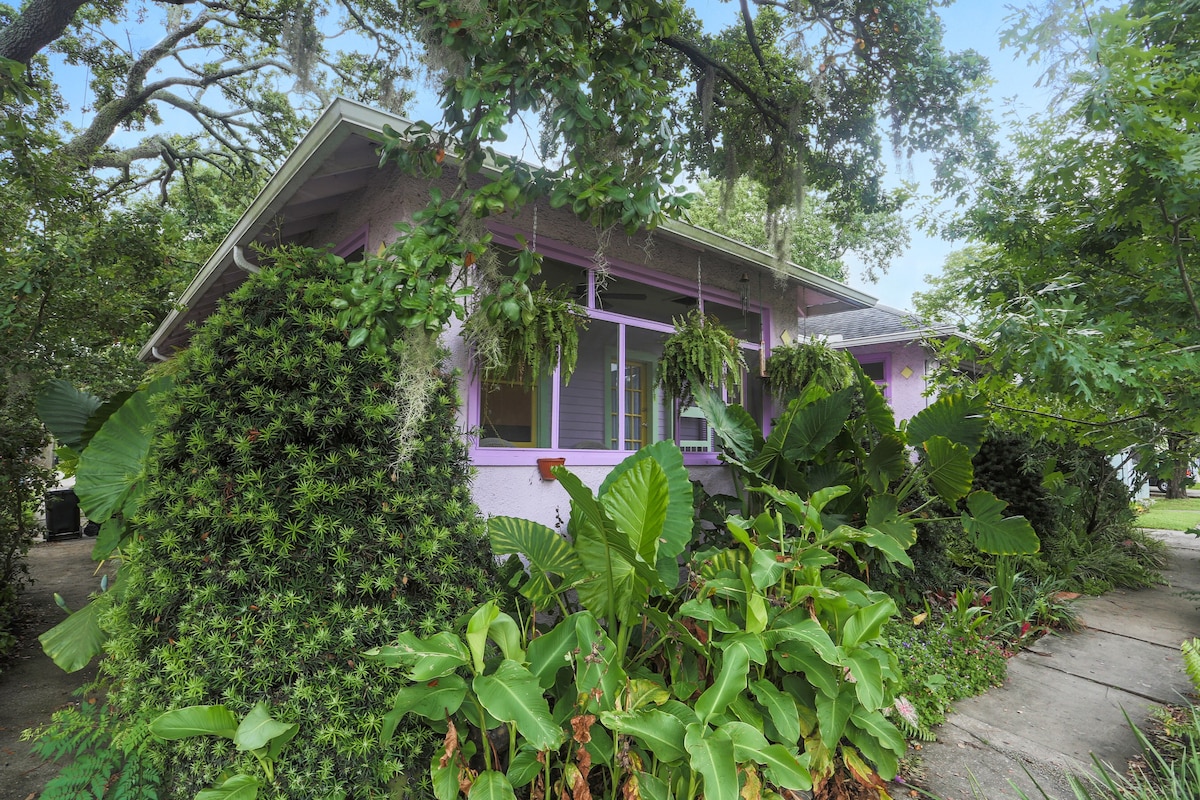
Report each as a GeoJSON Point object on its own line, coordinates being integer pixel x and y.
{"type": "Point", "coordinates": [1066, 698]}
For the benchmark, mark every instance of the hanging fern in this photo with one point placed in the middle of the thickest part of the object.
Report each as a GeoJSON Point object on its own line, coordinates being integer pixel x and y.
{"type": "Point", "coordinates": [542, 336]}
{"type": "Point", "coordinates": [790, 368]}
{"type": "Point", "coordinates": [700, 350]}
{"type": "Point", "coordinates": [1191, 661]}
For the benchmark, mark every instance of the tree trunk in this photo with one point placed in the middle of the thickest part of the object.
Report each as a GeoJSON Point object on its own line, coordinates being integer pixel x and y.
{"type": "Point", "coordinates": [38, 24]}
{"type": "Point", "coordinates": [1177, 486]}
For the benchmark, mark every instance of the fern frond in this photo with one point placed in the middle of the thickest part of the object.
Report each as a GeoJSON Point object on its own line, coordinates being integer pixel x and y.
{"type": "Point", "coordinates": [1191, 661]}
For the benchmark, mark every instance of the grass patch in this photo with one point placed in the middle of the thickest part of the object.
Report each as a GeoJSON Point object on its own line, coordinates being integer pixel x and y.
{"type": "Point", "coordinates": [1171, 515]}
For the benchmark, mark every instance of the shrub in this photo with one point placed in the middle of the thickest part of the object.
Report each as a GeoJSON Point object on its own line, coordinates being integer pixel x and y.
{"type": "Point", "coordinates": [282, 536]}
{"type": "Point", "coordinates": [1080, 508]}
{"type": "Point", "coordinates": [23, 482]}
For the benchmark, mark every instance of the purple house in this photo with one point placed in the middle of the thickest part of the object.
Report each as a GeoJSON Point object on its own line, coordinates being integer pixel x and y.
{"type": "Point", "coordinates": [332, 191]}
{"type": "Point", "coordinates": [891, 345]}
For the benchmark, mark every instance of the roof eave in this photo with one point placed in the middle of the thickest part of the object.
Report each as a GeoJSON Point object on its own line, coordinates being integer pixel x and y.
{"type": "Point", "coordinates": [340, 120]}
{"type": "Point", "coordinates": [712, 240]}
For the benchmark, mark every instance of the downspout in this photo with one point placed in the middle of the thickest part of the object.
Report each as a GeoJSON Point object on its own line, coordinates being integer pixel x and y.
{"type": "Point", "coordinates": [154, 352]}
{"type": "Point", "coordinates": [240, 259]}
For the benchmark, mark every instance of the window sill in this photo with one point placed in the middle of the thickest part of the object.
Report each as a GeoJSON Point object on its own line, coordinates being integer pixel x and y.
{"type": "Point", "coordinates": [527, 457]}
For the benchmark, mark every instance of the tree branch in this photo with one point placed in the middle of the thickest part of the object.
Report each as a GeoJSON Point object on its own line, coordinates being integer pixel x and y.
{"type": "Point", "coordinates": [701, 59]}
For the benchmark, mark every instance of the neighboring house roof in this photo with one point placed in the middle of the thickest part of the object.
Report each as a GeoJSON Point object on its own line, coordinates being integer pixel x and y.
{"type": "Point", "coordinates": [336, 158]}
{"type": "Point", "coordinates": [879, 324]}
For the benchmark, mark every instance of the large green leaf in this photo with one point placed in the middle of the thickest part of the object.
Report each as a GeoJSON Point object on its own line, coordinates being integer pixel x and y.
{"type": "Point", "coordinates": [649, 787]}
{"type": "Point", "coordinates": [426, 659]}
{"type": "Point", "coordinates": [705, 611]}
{"type": "Point", "coordinates": [949, 468]}
{"type": "Point", "coordinates": [660, 733]}
{"type": "Point", "coordinates": [728, 684]}
{"type": "Point", "coordinates": [711, 754]}
{"type": "Point", "coordinates": [618, 579]}
{"type": "Point", "coordinates": [834, 712]}
{"type": "Point", "coordinates": [111, 467]}
{"type": "Point", "coordinates": [637, 504]}
{"type": "Point", "coordinates": [868, 678]}
{"type": "Point", "coordinates": [816, 425]}
{"type": "Point", "coordinates": [239, 787]}
{"type": "Point", "coordinates": [781, 710]}
{"type": "Point", "coordinates": [183, 723]}
{"type": "Point", "coordinates": [994, 533]}
{"type": "Point", "coordinates": [74, 642]}
{"type": "Point", "coordinates": [599, 673]}
{"type": "Point", "coordinates": [258, 728]}
{"type": "Point", "coordinates": [797, 656]}
{"type": "Point", "coordinates": [886, 462]}
{"type": "Point", "coordinates": [546, 552]}
{"type": "Point", "coordinates": [874, 724]}
{"type": "Point", "coordinates": [434, 700]}
{"type": "Point", "coordinates": [491, 785]}
{"type": "Point", "coordinates": [101, 415]}
{"type": "Point", "coordinates": [866, 623]}
{"type": "Point", "coordinates": [512, 694]}
{"type": "Point", "coordinates": [736, 430]}
{"type": "Point", "coordinates": [956, 417]}
{"type": "Point", "coordinates": [797, 625]}
{"type": "Point", "coordinates": [878, 412]}
{"type": "Point", "coordinates": [65, 410]}
{"type": "Point", "coordinates": [677, 521]}
{"type": "Point", "coordinates": [784, 768]}
{"type": "Point", "coordinates": [883, 515]}
{"type": "Point", "coordinates": [550, 652]}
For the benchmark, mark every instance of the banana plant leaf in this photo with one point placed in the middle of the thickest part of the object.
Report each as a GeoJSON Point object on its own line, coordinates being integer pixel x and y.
{"type": "Point", "coordinates": [110, 470]}
{"type": "Point", "coordinates": [74, 642]}
{"type": "Point", "coordinates": [65, 411]}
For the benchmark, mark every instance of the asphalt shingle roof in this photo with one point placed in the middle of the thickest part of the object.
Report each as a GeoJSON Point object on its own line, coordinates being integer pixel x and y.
{"type": "Point", "coordinates": [865, 323]}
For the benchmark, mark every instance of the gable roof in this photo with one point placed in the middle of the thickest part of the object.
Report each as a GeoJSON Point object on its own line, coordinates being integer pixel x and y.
{"type": "Point", "coordinates": [879, 324]}
{"type": "Point", "coordinates": [336, 158]}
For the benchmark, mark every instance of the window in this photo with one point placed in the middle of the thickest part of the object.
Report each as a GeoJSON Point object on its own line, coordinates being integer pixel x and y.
{"type": "Point", "coordinates": [612, 404]}
{"type": "Point", "coordinates": [878, 369]}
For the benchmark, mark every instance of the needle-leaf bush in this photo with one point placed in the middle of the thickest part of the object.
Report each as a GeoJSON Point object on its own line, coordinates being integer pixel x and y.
{"type": "Point", "coordinates": [281, 537]}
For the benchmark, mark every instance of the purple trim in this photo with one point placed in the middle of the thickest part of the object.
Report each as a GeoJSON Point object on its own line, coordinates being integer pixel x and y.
{"type": "Point", "coordinates": [528, 456]}
{"type": "Point", "coordinates": [353, 242]}
{"type": "Point", "coordinates": [525, 456]}
{"type": "Point", "coordinates": [505, 235]}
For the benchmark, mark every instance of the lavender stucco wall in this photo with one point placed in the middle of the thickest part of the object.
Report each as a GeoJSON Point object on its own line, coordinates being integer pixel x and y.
{"type": "Point", "coordinates": [907, 395]}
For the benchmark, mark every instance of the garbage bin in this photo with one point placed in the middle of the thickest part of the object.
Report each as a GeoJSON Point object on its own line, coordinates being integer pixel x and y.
{"type": "Point", "coordinates": [62, 514]}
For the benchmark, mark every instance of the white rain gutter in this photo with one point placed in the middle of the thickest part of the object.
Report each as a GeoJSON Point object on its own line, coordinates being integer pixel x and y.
{"type": "Point", "coordinates": [239, 258]}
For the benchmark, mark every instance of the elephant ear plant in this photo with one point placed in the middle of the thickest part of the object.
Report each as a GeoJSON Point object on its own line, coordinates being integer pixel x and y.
{"type": "Point", "coordinates": [763, 671]}
{"type": "Point", "coordinates": [815, 445]}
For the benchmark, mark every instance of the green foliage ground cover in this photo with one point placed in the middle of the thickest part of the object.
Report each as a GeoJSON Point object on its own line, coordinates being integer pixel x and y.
{"type": "Point", "coordinates": [1170, 515]}
{"type": "Point", "coordinates": [940, 664]}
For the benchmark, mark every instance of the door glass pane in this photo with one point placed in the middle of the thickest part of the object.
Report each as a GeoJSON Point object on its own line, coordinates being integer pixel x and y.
{"type": "Point", "coordinates": [647, 411]}
{"type": "Point", "coordinates": [583, 417]}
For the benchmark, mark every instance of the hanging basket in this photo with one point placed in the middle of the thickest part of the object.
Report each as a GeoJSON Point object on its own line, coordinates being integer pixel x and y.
{"type": "Point", "coordinates": [701, 350]}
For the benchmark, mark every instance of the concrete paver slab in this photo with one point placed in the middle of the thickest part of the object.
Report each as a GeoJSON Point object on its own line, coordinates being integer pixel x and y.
{"type": "Point", "coordinates": [1066, 698]}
